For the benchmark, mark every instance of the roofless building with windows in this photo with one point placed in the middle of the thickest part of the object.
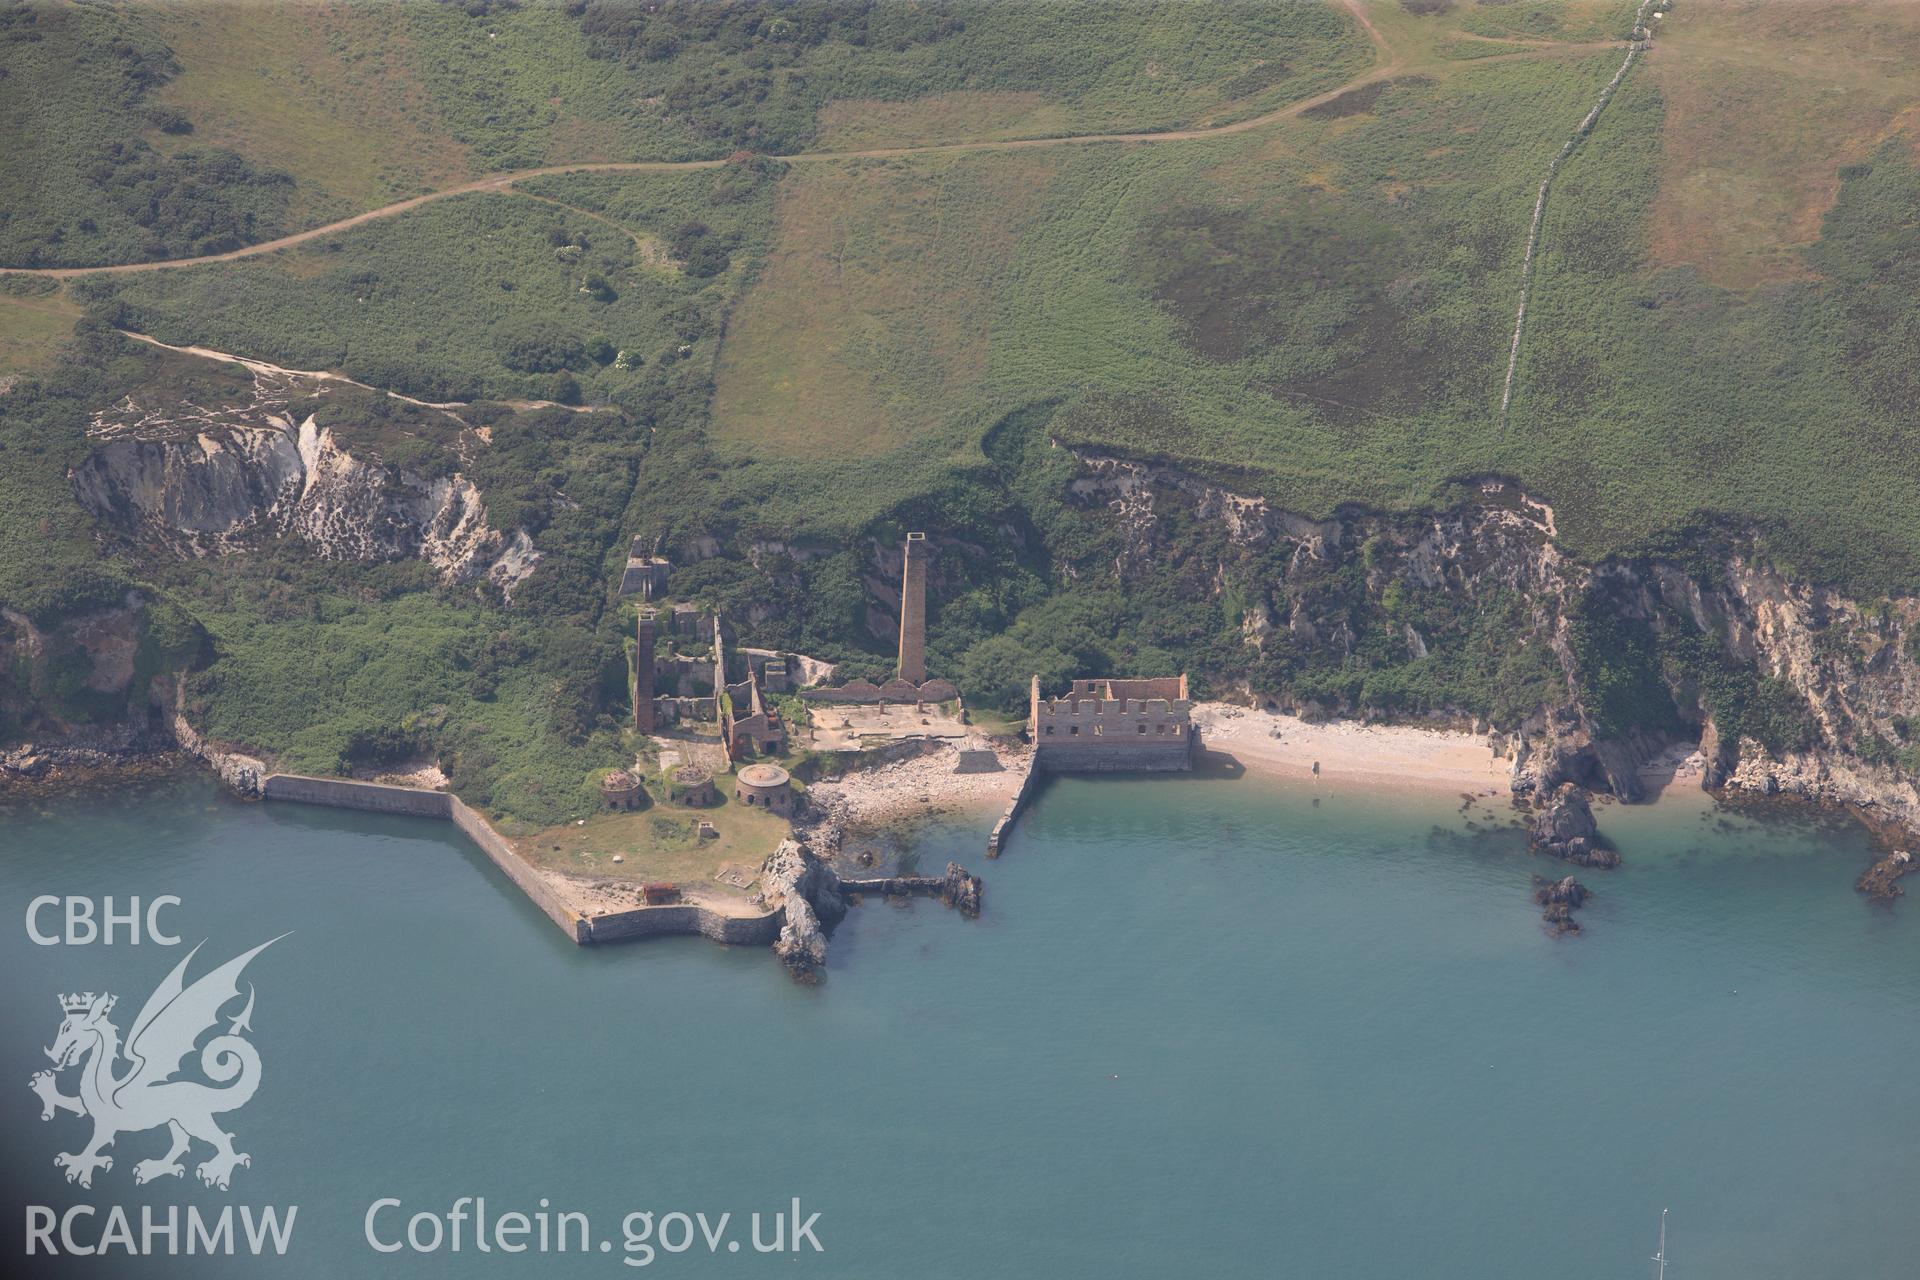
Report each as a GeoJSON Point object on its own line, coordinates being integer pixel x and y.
{"type": "Point", "coordinates": [1114, 725]}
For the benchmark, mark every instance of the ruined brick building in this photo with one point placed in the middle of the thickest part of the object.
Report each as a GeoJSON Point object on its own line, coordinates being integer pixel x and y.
{"type": "Point", "coordinates": [1112, 725]}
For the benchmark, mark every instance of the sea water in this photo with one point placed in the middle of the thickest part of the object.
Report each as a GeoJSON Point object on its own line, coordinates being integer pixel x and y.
{"type": "Point", "coordinates": [1205, 1027]}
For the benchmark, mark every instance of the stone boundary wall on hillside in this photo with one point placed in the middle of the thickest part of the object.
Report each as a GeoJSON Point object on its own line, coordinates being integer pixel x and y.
{"type": "Point", "coordinates": [640, 922]}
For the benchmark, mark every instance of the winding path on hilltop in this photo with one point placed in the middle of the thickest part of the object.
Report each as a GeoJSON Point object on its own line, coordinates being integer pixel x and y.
{"type": "Point", "coordinates": [1388, 64]}
{"type": "Point", "coordinates": [328, 375]}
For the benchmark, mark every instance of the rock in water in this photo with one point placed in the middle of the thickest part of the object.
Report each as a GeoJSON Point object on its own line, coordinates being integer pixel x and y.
{"type": "Point", "coordinates": [1564, 827]}
{"type": "Point", "coordinates": [1561, 898]}
{"type": "Point", "coordinates": [807, 893]}
{"type": "Point", "coordinates": [1881, 881]}
{"type": "Point", "coordinates": [961, 891]}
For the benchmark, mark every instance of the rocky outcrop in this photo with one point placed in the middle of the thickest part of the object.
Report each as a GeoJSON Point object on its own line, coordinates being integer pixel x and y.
{"type": "Point", "coordinates": [1560, 898]}
{"type": "Point", "coordinates": [40, 766]}
{"type": "Point", "coordinates": [147, 727]}
{"type": "Point", "coordinates": [240, 772]}
{"type": "Point", "coordinates": [1881, 881]}
{"type": "Point", "coordinates": [199, 482]}
{"type": "Point", "coordinates": [76, 690]}
{"type": "Point", "coordinates": [807, 893]}
{"type": "Point", "coordinates": [961, 890]}
{"type": "Point", "coordinates": [1563, 827]}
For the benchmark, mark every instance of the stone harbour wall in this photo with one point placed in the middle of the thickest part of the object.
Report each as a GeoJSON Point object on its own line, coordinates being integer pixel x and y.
{"type": "Point", "coordinates": [683, 918]}
{"type": "Point", "coordinates": [374, 797]}
{"type": "Point", "coordinates": [997, 838]}
{"type": "Point", "coordinates": [380, 797]}
{"type": "Point", "coordinates": [640, 922]}
{"type": "Point", "coordinates": [528, 880]}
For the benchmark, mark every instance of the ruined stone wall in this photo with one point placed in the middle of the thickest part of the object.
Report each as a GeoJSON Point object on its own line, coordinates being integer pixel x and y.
{"type": "Point", "coordinates": [1003, 829]}
{"type": "Point", "coordinates": [675, 709]}
{"type": "Point", "coordinates": [618, 926]}
{"type": "Point", "coordinates": [1097, 724]}
{"type": "Point", "coordinates": [515, 868]}
{"type": "Point", "coordinates": [1166, 688]}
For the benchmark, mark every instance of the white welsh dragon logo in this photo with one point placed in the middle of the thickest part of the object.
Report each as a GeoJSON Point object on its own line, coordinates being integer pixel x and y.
{"type": "Point", "coordinates": [146, 1095]}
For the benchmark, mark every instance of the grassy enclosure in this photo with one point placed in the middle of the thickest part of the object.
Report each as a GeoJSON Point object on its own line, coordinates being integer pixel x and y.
{"type": "Point", "coordinates": [661, 843]}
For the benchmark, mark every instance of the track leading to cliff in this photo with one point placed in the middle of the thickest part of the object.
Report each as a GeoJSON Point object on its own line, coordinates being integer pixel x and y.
{"type": "Point", "coordinates": [1388, 65]}
{"type": "Point", "coordinates": [1587, 125]}
{"type": "Point", "coordinates": [327, 375]}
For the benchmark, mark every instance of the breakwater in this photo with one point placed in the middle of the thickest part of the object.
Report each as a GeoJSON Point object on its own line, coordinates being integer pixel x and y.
{"type": "Point", "coordinates": [997, 838]}
{"type": "Point", "coordinates": [957, 888]}
{"type": "Point", "coordinates": [679, 918]}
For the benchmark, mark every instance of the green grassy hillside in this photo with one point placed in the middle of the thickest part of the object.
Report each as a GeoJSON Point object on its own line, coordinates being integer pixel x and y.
{"type": "Point", "coordinates": [479, 296]}
{"type": "Point", "coordinates": [1300, 282]}
{"type": "Point", "coordinates": [132, 133]}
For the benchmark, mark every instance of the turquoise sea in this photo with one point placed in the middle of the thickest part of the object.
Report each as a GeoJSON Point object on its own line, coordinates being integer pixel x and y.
{"type": "Point", "coordinates": [1206, 1027]}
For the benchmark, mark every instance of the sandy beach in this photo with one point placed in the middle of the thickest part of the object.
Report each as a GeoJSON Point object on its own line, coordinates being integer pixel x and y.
{"type": "Point", "coordinates": [1266, 744]}
{"type": "Point", "coordinates": [1347, 751]}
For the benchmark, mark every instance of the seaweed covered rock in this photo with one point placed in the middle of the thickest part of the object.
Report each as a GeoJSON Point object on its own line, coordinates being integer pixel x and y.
{"type": "Point", "coordinates": [961, 891]}
{"type": "Point", "coordinates": [1881, 881]}
{"type": "Point", "coordinates": [1560, 898]}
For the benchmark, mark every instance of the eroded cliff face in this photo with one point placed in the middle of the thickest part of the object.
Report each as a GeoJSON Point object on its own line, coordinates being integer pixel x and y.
{"type": "Point", "coordinates": [200, 482]}
{"type": "Point", "coordinates": [77, 692]}
{"type": "Point", "coordinates": [1788, 688]}
{"type": "Point", "coordinates": [1854, 666]}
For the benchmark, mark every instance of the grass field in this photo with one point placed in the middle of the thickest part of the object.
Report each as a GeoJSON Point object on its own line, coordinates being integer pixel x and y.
{"type": "Point", "coordinates": [1423, 33]}
{"type": "Point", "coordinates": [1321, 304]}
{"type": "Point", "coordinates": [1765, 105]}
{"type": "Point", "coordinates": [80, 178]}
{"type": "Point", "coordinates": [1652, 395]}
{"type": "Point", "coordinates": [1318, 310]}
{"type": "Point", "coordinates": [319, 90]}
{"type": "Point", "coordinates": [437, 303]}
{"type": "Point", "coordinates": [1159, 66]}
{"type": "Point", "coordinates": [661, 843]}
{"type": "Point", "coordinates": [33, 327]}
{"type": "Point", "coordinates": [872, 318]}
{"type": "Point", "coordinates": [143, 132]}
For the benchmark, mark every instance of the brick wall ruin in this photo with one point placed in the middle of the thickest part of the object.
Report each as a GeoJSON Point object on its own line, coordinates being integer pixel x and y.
{"type": "Point", "coordinates": [1112, 725]}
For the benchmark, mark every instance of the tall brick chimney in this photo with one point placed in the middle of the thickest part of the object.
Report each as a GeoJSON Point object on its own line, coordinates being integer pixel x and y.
{"type": "Point", "coordinates": [643, 673]}
{"type": "Point", "coordinates": [913, 611]}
